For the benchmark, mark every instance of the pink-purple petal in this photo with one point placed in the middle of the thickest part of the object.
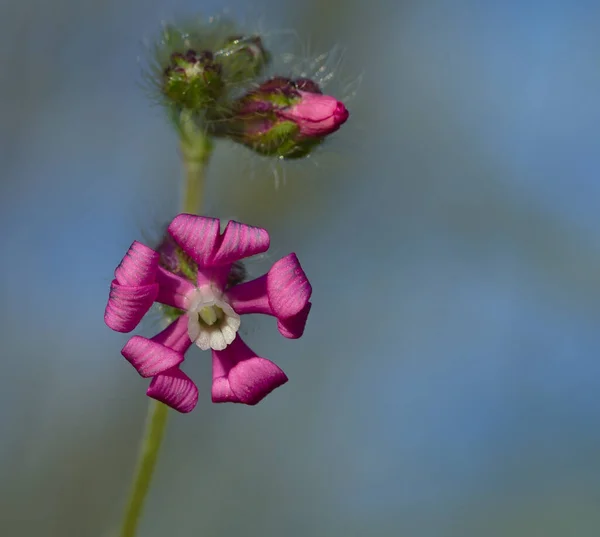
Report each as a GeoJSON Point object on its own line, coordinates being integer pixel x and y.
{"type": "Point", "coordinates": [164, 351]}
{"type": "Point", "coordinates": [288, 287]}
{"type": "Point", "coordinates": [149, 357]}
{"type": "Point", "coordinates": [127, 305]}
{"type": "Point", "coordinates": [239, 241]}
{"type": "Point", "coordinates": [316, 114]}
{"type": "Point", "coordinates": [138, 267]}
{"type": "Point", "coordinates": [250, 297]}
{"type": "Point", "coordinates": [175, 389]}
{"type": "Point", "coordinates": [173, 289]}
{"type": "Point", "coordinates": [215, 276]}
{"type": "Point", "coordinates": [239, 376]}
{"type": "Point", "coordinates": [175, 335]}
{"type": "Point", "coordinates": [293, 327]}
{"type": "Point", "coordinates": [198, 237]}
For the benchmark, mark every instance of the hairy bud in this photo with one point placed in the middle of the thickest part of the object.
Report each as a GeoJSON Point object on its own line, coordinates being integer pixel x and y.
{"type": "Point", "coordinates": [285, 118]}
{"type": "Point", "coordinates": [193, 80]}
{"type": "Point", "coordinates": [201, 67]}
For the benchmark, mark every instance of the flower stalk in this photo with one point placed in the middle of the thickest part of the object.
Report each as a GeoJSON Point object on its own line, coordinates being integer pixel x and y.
{"type": "Point", "coordinates": [155, 431]}
{"type": "Point", "coordinates": [196, 148]}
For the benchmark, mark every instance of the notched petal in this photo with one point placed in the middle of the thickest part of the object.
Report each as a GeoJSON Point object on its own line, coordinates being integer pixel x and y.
{"type": "Point", "coordinates": [240, 241]}
{"type": "Point", "coordinates": [198, 237]}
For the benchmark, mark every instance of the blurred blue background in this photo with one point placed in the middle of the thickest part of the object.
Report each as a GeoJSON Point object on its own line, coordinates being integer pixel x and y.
{"type": "Point", "coordinates": [447, 383]}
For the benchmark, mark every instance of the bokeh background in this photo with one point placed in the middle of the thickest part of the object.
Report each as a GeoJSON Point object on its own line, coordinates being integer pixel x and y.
{"type": "Point", "coordinates": [447, 383]}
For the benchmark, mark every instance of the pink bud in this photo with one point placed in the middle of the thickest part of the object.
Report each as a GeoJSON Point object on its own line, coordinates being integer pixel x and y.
{"type": "Point", "coordinates": [316, 115]}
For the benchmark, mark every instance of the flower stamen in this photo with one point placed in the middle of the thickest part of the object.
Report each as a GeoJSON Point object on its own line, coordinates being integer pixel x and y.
{"type": "Point", "coordinates": [213, 324]}
{"type": "Point", "coordinates": [209, 315]}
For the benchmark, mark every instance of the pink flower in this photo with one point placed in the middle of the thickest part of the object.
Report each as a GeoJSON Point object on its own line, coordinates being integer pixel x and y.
{"type": "Point", "coordinates": [316, 115]}
{"type": "Point", "coordinates": [211, 311]}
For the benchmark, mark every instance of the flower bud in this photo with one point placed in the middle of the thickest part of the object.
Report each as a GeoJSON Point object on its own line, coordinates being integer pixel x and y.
{"type": "Point", "coordinates": [316, 115]}
{"type": "Point", "coordinates": [193, 80]}
{"type": "Point", "coordinates": [242, 58]}
{"type": "Point", "coordinates": [286, 118]}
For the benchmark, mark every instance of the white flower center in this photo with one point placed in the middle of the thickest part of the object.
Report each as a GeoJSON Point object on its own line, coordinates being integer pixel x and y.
{"type": "Point", "coordinates": [212, 323]}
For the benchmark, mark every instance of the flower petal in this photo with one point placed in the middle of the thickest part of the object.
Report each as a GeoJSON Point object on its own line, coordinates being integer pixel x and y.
{"type": "Point", "coordinates": [200, 239]}
{"type": "Point", "coordinates": [293, 327]}
{"type": "Point", "coordinates": [288, 288]}
{"type": "Point", "coordinates": [164, 351]}
{"type": "Point", "coordinates": [138, 267]}
{"type": "Point", "coordinates": [127, 305]}
{"type": "Point", "coordinates": [250, 297]}
{"type": "Point", "coordinates": [175, 336]}
{"type": "Point", "coordinates": [175, 389]}
{"type": "Point", "coordinates": [316, 114]}
{"type": "Point", "coordinates": [240, 241]}
{"type": "Point", "coordinates": [197, 235]}
{"type": "Point", "coordinates": [214, 276]}
{"type": "Point", "coordinates": [173, 289]}
{"type": "Point", "coordinates": [150, 358]}
{"type": "Point", "coordinates": [239, 376]}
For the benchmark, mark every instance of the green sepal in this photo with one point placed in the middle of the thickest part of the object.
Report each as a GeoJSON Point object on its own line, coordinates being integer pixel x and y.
{"type": "Point", "coordinates": [170, 313]}
{"type": "Point", "coordinates": [194, 94]}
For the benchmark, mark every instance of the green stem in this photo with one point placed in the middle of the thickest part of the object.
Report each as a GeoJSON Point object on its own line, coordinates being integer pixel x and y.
{"type": "Point", "coordinates": [194, 186]}
{"type": "Point", "coordinates": [155, 430]}
{"type": "Point", "coordinates": [196, 148]}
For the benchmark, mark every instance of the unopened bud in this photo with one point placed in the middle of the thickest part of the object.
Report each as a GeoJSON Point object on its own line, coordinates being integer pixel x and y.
{"type": "Point", "coordinates": [193, 80]}
{"type": "Point", "coordinates": [286, 118]}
